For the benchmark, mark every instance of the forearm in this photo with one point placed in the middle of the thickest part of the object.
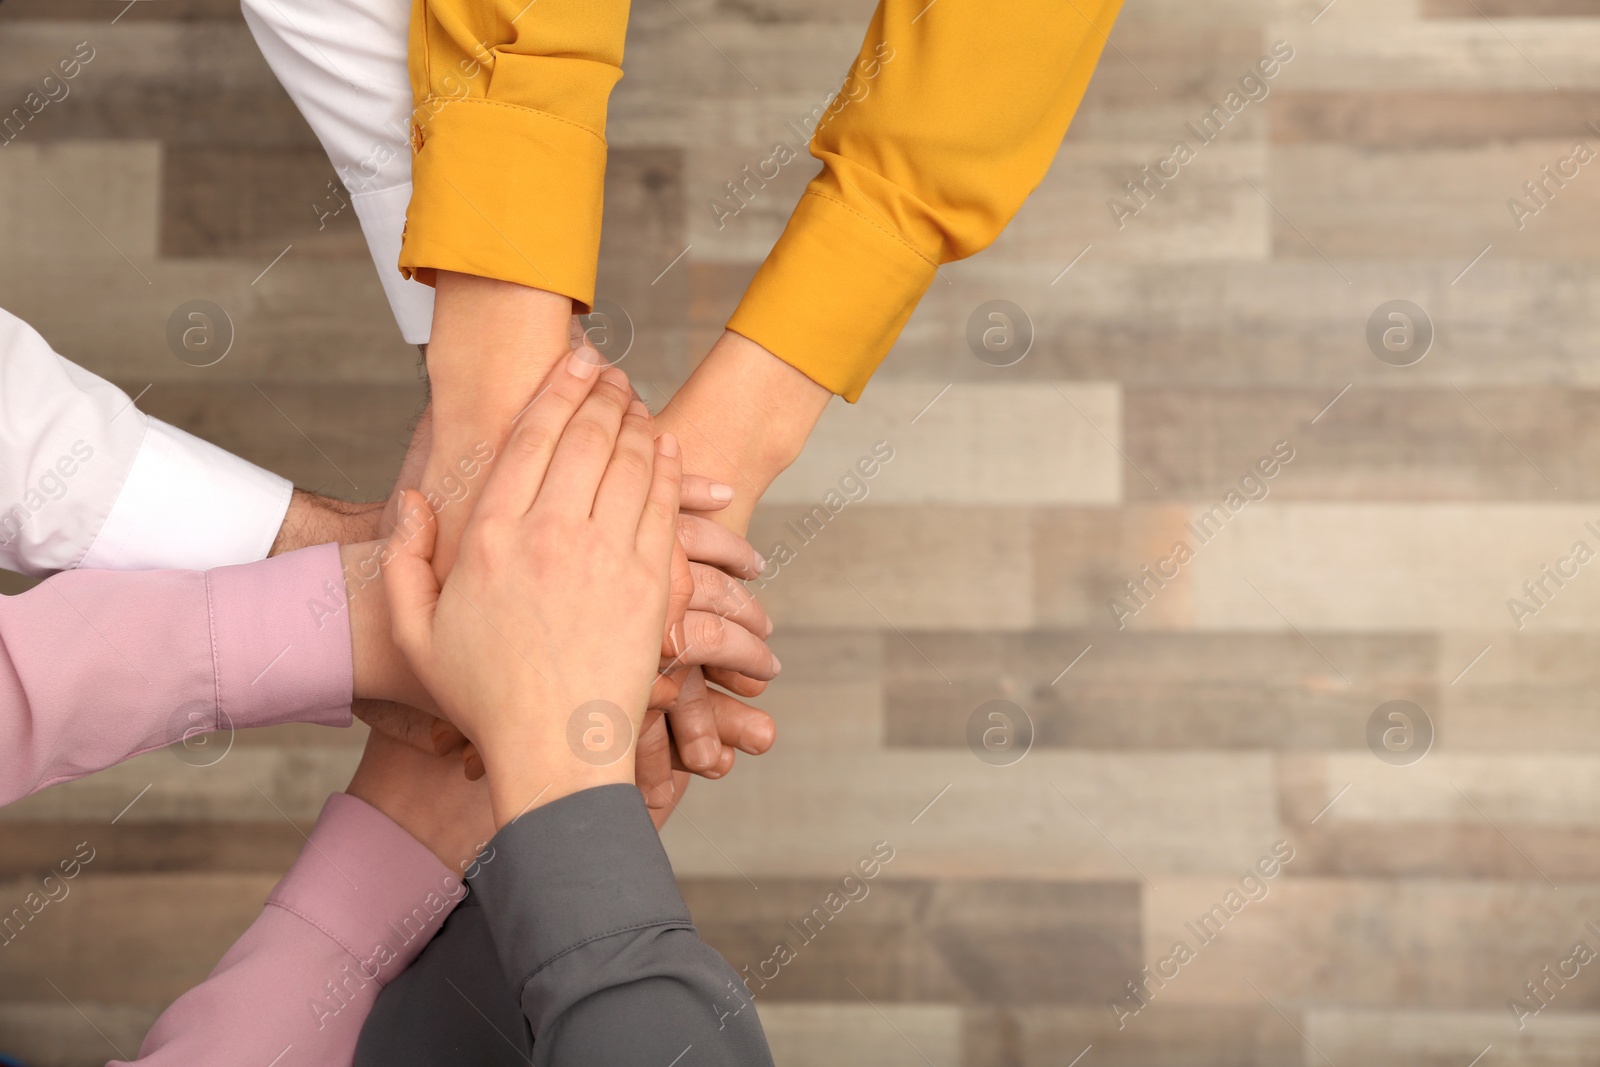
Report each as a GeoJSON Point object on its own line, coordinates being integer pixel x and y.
{"type": "Point", "coordinates": [493, 344]}
{"type": "Point", "coordinates": [356, 908]}
{"type": "Point", "coordinates": [589, 924]}
{"type": "Point", "coordinates": [742, 417]}
{"type": "Point", "coordinates": [508, 140]}
{"type": "Point", "coordinates": [947, 120]}
{"type": "Point", "coordinates": [98, 666]}
{"type": "Point", "coordinates": [313, 519]}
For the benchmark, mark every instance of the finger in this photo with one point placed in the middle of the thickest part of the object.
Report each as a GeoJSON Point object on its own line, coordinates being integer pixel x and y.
{"type": "Point", "coordinates": [703, 494]}
{"type": "Point", "coordinates": [709, 640]}
{"type": "Point", "coordinates": [586, 446]}
{"type": "Point", "coordinates": [472, 763]}
{"type": "Point", "coordinates": [447, 740]}
{"type": "Point", "coordinates": [664, 690]}
{"type": "Point", "coordinates": [706, 542]}
{"type": "Point", "coordinates": [680, 590]}
{"type": "Point", "coordinates": [405, 724]}
{"type": "Point", "coordinates": [724, 765]}
{"type": "Point", "coordinates": [409, 581]}
{"type": "Point", "coordinates": [741, 726]}
{"type": "Point", "coordinates": [622, 492]}
{"type": "Point", "coordinates": [694, 726]}
{"type": "Point", "coordinates": [653, 762]}
{"type": "Point", "coordinates": [660, 518]}
{"type": "Point", "coordinates": [520, 469]}
{"type": "Point", "coordinates": [659, 816]}
{"type": "Point", "coordinates": [718, 594]}
{"type": "Point", "coordinates": [737, 684]}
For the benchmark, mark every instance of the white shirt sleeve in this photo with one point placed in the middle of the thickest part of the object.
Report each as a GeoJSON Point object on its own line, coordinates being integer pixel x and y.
{"type": "Point", "coordinates": [343, 63]}
{"type": "Point", "coordinates": [89, 480]}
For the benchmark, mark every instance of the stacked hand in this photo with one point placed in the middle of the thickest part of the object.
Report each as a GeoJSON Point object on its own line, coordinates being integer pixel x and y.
{"type": "Point", "coordinates": [542, 644]}
{"type": "Point", "coordinates": [714, 628]}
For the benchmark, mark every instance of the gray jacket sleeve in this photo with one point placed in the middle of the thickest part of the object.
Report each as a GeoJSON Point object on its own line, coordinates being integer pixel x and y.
{"type": "Point", "coordinates": [592, 931]}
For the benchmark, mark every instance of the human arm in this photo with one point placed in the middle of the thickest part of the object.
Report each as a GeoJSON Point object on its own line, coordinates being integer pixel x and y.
{"type": "Point", "coordinates": [542, 647]}
{"type": "Point", "coordinates": [947, 120]}
{"type": "Point", "coordinates": [380, 873]}
{"type": "Point", "coordinates": [919, 168]}
{"type": "Point", "coordinates": [344, 66]}
{"type": "Point", "coordinates": [88, 480]}
{"type": "Point", "coordinates": [508, 136]}
{"type": "Point", "coordinates": [100, 666]}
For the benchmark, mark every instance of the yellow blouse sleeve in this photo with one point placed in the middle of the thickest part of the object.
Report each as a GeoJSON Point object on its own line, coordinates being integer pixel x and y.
{"type": "Point", "coordinates": [508, 138]}
{"type": "Point", "coordinates": [949, 118]}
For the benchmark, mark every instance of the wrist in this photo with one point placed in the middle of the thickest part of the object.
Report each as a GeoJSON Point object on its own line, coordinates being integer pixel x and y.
{"type": "Point", "coordinates": [527, 769]}
{"type": "Point", "coordinates": [515, 791]}
{"type": "Point", "coordinates": [378, 669]}
{"type": "Point", "coordinates": [319, 520]}
{"type": "Point", "coordinates": [492, 344]}
{"type": "Point", "coordinates": [426, 796]}
{"type": "Point", "coordinates": [742, 417]}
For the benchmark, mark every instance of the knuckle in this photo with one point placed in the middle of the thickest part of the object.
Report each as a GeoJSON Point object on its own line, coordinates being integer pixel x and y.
{"type": "Point", "coordinates": [704, 630]}
{"type": "Point", "coordinates": [486, 538]}
{"type": "Point", "coordinates": [589, 435]}
{"type": "Point", "coordinates": [535, 437]}
{"type": "Point", "coordinates": [660, 510]}
{"type": "Point", "coordinates": [631, 463]}
{"type": "Point", "coordinates": [690, 535]}
{"type": "Point", "coordinates": [616, 393]}
{"type": "Point", "coordinates": [638, 422]}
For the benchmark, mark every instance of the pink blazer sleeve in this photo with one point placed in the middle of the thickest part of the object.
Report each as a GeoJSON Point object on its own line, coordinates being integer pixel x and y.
{"type": "Point", "coordinates": [98, 666]}
{"type": "Point", "coordinates": [352, 913]}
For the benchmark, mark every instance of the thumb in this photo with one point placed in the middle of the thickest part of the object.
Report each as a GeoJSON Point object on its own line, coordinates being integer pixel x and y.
{"type": "Point", "coordinates": [680, 591]}
{"type": "Point", "coordinates": [409, 580]}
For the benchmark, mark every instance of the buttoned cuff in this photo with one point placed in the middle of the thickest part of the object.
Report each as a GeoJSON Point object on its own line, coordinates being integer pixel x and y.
{"type": "Point", "coordinates": [189, 505]}
{"type": "Point", "coordinates": [834, 294]}
{"type": "Point", "coordinates": [506, 192]}
{"type": "Point", "coordinates": [280, 631]}
{"type": "Point", "coordinates": [587, 866]}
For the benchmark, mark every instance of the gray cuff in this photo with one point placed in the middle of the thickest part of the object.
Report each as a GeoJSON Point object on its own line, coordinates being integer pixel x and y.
{"type": "Point", "coordinates": [587, 866]}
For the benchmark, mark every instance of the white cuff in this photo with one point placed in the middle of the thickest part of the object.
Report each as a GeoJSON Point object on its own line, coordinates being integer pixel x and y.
{"type": "Point", "coordinates": [189, 505]}
{"type": "Point", "coordinates": [383, 221]}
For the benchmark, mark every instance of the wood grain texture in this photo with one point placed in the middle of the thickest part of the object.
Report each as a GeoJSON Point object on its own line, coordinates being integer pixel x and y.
{"type": "Point", "coordinates": [1172, 348]}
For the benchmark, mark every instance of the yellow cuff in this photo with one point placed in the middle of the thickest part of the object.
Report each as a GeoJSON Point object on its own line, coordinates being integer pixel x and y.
{"type": "Point", "coordinates": [506, 192]}
{"type": "Point", "coordinates": [833, 295]}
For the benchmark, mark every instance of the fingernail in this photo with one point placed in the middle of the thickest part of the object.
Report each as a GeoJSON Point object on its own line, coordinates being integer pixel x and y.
{"type": "Point", "coordinates": [776, 666]}
{"type": "Point", "coordinates": [701, 753]}
{"type": "Point", "coordinates": [756, 738]}
{"type": "Point", "coordinates": [637, 408]}
{"type": "Point", "coordinates": [579, 367]}
{"type": "Point", "coordinates": [720, 492]}
{"type": "Point", "coordinates": [769, 628]}
{"type": "Point", "coordinates": [669, 445]}
{"type": "Point", "coordinates": [760, 561]}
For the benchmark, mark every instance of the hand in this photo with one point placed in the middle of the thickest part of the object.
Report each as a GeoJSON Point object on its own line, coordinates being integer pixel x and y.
{"type": "Point", "coordinates": [707, 600]}
{"type": "Point", "coordinates": [426, 796]}
{"type": "Point", "coordinates": [661, 775]}
{"type": "Point", "coordinates": [380, 673]}
{"type": "Point", "coordinates": [742, 417]}
{"type": "Point", "coordinates": [492, 344]}
{"type": "Point", "coordinates": [555, 608]}
{"type": "Point", "coordinates": [422, 730]}
{"type": "Point", "coordinates": [704, 601]}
